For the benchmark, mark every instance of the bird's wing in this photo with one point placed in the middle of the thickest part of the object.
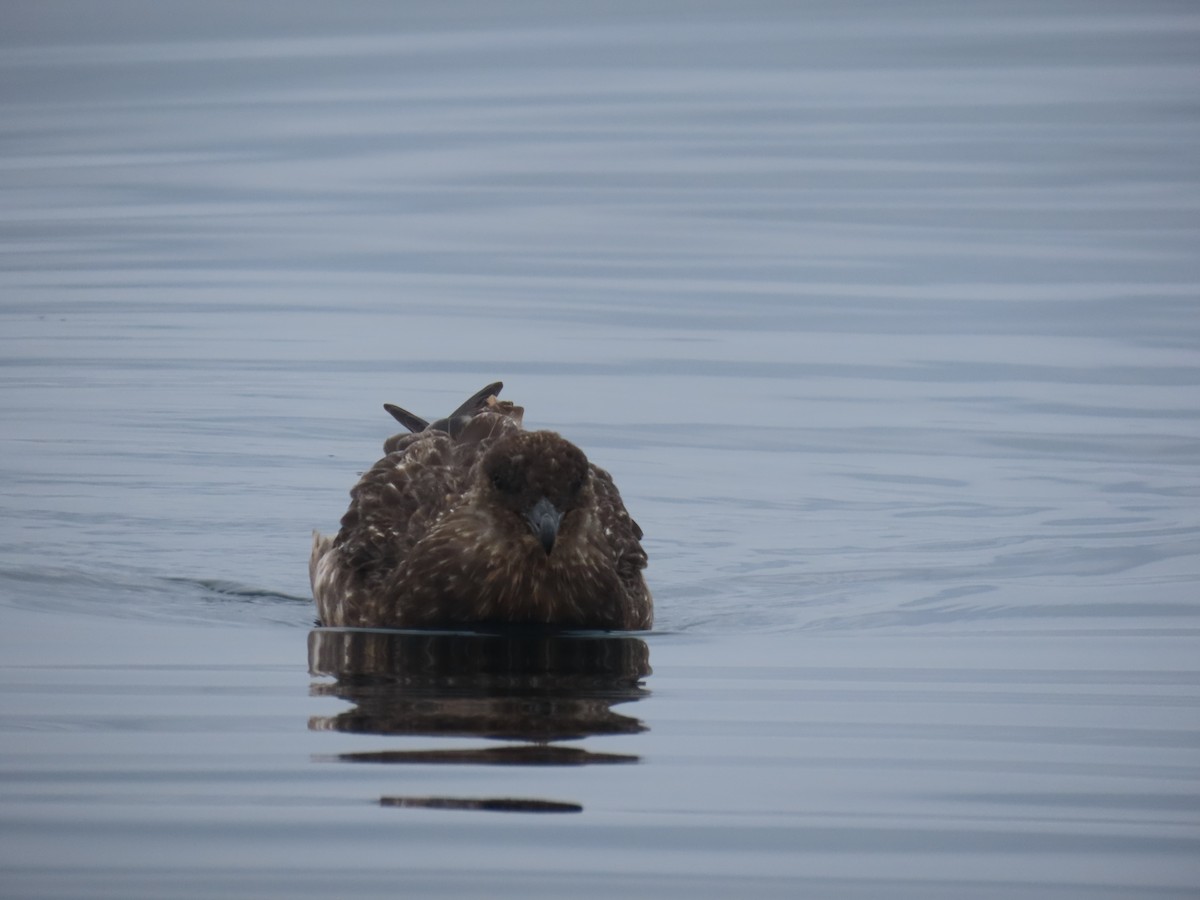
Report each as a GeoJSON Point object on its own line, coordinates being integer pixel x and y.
{"type": "Point", "coordinates": [411, 421]}
{"type": "Point", "coordinates": [476, 403]}
{"type": "Point", "coordinates": [396, 502]}
{"type": "Point", "coordinates": [479, 400]}
{"type": "Point", "coordinates": [623, 531]}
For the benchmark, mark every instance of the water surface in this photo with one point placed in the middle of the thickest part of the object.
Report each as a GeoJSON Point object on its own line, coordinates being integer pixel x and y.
{"type": "Point", "coordinates": [883, 318]}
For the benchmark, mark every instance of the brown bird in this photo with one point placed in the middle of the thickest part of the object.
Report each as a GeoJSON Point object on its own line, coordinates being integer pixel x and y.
{"type": "Point", "coordinates": [471, 520]}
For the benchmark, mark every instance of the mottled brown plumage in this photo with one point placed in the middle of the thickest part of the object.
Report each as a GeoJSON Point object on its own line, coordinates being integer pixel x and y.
{"type": "Point", "coordinates": [471, 520]}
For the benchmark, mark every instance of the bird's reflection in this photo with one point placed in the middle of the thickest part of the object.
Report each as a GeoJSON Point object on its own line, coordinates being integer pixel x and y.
{"type": "Point", "coordinates": [528, 689]}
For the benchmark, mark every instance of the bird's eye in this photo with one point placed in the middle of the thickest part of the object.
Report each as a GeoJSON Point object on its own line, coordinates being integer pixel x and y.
{"type": "Point", "coordinates": [506, 482]}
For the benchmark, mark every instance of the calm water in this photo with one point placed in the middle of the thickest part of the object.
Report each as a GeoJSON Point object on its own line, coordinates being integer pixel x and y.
{"type": "Point", "coordinates": [886, 319]}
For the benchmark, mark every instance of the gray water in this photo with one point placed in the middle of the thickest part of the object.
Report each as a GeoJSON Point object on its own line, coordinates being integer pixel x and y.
{"type": "Point", "coordinates": [884, 317]}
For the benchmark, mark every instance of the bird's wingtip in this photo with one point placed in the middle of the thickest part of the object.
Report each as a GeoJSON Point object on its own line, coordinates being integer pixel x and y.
{"type": "Point", "coordinates": [412, 422]}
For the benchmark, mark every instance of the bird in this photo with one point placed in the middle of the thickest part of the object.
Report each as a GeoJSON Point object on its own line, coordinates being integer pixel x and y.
{"type": "Point", "coordinates": [472, 521]}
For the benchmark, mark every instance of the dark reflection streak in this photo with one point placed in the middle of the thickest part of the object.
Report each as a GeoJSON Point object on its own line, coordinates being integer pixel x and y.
{"type": "Point", "coordinates": [522, 686]}
{"type": "Point", "coordinates": [521, 755]}
{"type": "Point", "coordinates": [490, 804]}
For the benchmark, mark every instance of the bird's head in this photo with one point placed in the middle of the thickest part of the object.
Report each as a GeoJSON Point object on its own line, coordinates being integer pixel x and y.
{"type": "Point", "coordinates": [539, 477]}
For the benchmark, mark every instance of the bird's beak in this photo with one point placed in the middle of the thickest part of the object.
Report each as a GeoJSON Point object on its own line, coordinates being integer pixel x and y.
{"type": "Point", "coordinates": [544, 519]}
